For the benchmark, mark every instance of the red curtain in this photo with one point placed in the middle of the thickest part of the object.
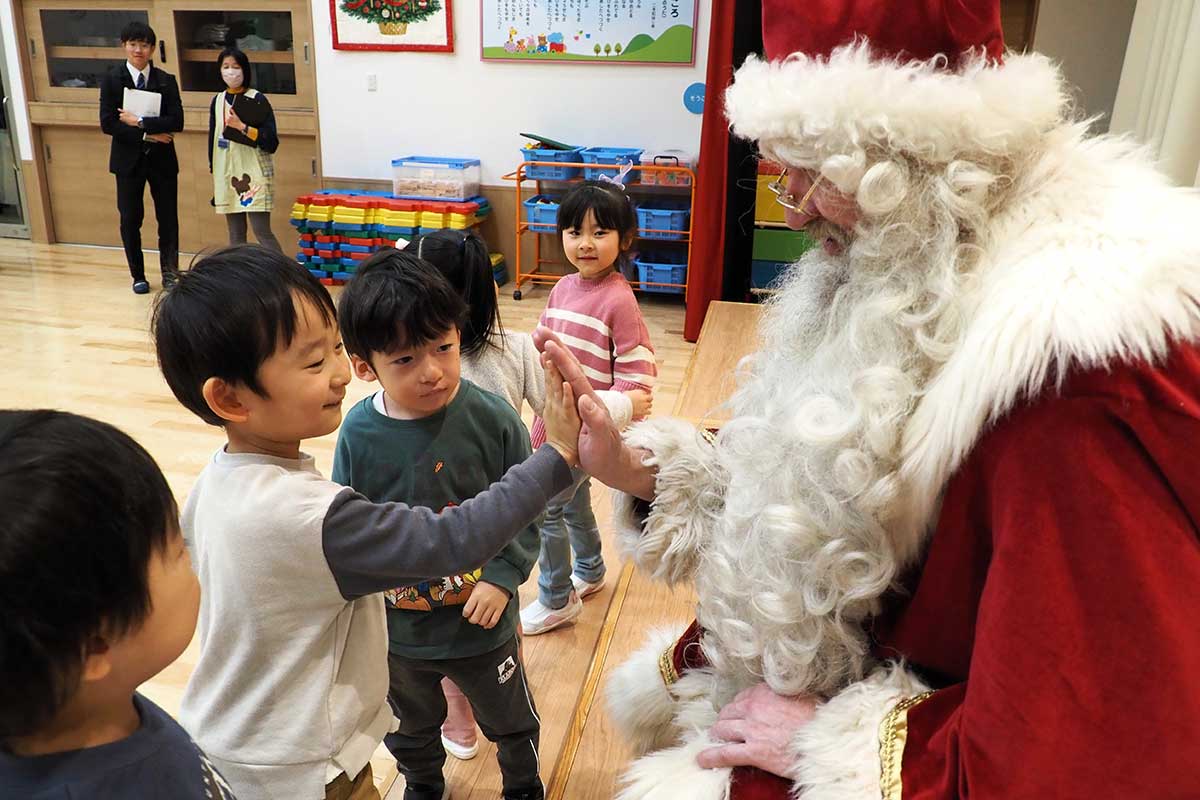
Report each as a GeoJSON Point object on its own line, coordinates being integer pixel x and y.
{"type": "Point", "coordinates": [705, 272]}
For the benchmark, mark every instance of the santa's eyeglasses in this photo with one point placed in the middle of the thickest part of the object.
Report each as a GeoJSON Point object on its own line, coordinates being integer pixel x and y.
{"type": "Point", "coordinates": [778, 187]}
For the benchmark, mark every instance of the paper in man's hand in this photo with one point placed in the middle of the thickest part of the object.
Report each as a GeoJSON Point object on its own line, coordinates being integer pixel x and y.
{"type": "Point", "coordinates": [142, 103]}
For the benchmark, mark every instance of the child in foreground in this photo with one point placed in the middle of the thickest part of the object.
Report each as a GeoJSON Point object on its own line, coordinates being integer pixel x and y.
{"type": "Point", "coordinates": [289, 695]}
{"type": "Point", "coordinates": [97, 596]}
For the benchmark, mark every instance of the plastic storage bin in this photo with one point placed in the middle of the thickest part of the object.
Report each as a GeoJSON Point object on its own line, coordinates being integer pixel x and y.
{"type": "Point", "coordinates": [781, 244]}
{"type": "Point", "coordinates": [552, 173]}
{"type": "Point", "coordinates": [661, 267]}
{"type": "Point", "coordinates": [435, 178]}
{"type": "Point", "coordinates": [663, 219]}
{"type": "Point", "coordinates": [666, 158]}
{"type": "Point", "coordinates": [610, 155]}
{"type": "Point", "coordinates": [541, 212]}
{"type": "Point", "coordinates": [764, 273]}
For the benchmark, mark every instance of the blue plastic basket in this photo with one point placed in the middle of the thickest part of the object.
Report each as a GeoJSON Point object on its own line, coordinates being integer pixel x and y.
{"type": "Point", "coordinates": [664, 216]}
{"type": "Point", "coordinates": [541, 216]}
{"type": "Point", "coordinates": [610, 155]}
{"type": "Point", "coordinates": [552, 173]}
{"type": "Point", "coordinates": [661, 267]}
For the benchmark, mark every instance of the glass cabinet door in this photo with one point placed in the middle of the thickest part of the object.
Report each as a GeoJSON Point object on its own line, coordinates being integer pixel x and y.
{"type": "Point", "coordinates": [71, 49]}
{"type": "Point", "coordinates": [271, 36]}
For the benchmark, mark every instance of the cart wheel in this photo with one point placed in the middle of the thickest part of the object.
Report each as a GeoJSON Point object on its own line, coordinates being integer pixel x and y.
{"type": "Point", "coordinates": [517, 294]}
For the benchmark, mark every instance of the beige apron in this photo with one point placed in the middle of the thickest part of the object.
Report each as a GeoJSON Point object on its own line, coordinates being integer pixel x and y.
{"type": "Point", "coordinates": [242, 175]}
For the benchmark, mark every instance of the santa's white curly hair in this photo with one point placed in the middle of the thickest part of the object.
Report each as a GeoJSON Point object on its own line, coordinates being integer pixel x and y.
{"type": "Point", "coordinates": [809, 536]}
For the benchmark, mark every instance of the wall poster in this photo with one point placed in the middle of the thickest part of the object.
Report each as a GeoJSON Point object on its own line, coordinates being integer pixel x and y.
{"type": "Point", "coordinates": [590, 31]}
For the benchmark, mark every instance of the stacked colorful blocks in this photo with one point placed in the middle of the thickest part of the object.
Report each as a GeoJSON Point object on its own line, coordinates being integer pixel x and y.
{"type": "Point", "coordinates": [339, 229]}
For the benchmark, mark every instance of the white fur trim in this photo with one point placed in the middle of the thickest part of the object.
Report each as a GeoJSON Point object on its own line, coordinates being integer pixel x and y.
{"type": "Point", "coordinates": [638, 699]}
{"type": "Point", "coordinates": [836, 755]}
{"type": "Point", "coordinates": [674, 773]}
{"type": "Point", "coordinates": [852, 101]}
{"type": "Point", "coordinates": [688, 501]}
{"type": "Point", "coordinates": [1101, 265]}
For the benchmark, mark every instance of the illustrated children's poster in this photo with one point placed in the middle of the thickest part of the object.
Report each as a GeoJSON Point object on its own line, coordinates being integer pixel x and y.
{"type": "Point", "coordinates": [590, 31]}
{"type": "Point", "coordinates": [391, 25]}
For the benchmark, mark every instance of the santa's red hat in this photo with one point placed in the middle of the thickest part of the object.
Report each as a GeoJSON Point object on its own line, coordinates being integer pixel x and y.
{"type": "Point", "coordinates": [926, 78]}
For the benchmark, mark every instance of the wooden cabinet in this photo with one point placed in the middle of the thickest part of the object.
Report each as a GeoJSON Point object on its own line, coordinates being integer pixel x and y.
{"type": "Point", "coordinates": [71, 44]}
{"type": "Point", "coordinates": [276, 36]}
{"type": "Point", "coordinates": [83, 193]}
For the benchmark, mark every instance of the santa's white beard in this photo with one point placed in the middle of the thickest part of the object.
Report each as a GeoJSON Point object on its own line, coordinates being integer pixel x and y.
{"type": "Point", "coordinates": [801, 552]}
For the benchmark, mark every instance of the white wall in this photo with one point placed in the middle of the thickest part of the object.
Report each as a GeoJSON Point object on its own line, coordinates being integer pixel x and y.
{"type": "Point", "coordinates": [1089, 38]}
{"type": "Point", "coordinates": [454, 104]}
{"type": "Point", "coordinates": [16, 100]}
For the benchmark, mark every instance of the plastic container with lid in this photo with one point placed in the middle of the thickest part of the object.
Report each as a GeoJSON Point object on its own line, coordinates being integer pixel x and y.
{"type": "Point", "coordinates": [666, 158]}
{"type": "Point", "coordinates": [428, 177]}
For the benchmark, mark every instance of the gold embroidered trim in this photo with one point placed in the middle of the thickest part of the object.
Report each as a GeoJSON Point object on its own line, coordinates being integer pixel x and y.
{"type": "Point", "coordinates": [666, 666]}
{"type": "Point", "coordinates": [893, 733]}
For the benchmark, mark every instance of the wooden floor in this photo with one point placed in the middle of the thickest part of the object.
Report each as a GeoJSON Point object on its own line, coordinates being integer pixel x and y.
{"type": "Point", "coordinates": [78, 340]}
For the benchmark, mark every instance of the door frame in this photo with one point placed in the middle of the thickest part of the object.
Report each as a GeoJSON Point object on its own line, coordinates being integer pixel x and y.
{"type": "Point", "coordinates": [8, 229]}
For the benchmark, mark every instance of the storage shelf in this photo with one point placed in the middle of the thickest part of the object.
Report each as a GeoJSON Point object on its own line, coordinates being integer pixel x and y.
{"type": "Point", "coordinates": [684, 238]}
{"type": "Point", "coordinates": [255, 56]}
{"type": "Point", "coordinates": [96, 53]}
{"type": "Point", "coordinates": [539, 278]}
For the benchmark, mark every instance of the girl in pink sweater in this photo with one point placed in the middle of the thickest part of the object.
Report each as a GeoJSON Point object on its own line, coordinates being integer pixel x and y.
{"type": "Point", "coordinates": [595, 314]}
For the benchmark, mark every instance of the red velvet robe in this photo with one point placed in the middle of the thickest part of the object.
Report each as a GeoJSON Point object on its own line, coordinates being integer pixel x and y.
{"type": "Point", "coordinates": [1057, 607]}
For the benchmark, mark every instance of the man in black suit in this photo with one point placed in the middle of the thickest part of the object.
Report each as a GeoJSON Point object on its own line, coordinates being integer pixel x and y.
{"type": "Point", "coordinates": [143, 150]}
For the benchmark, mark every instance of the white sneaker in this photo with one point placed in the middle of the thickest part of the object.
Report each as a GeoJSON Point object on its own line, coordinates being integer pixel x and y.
{"type": "Point", "coordinates": [583, 588]}
{"type": "Point", "coordinates": [536, 618]}
{"type": "Point", "coordinates": [461, 752]}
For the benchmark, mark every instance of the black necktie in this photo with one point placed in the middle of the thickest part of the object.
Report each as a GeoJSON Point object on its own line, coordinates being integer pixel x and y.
{"type": "Point", "coordinates": [141, 84]}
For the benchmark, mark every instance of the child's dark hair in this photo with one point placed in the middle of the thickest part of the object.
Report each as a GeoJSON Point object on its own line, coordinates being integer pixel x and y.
{"type": "Point", "coordinates": [611, 208]}
{"type": "Point", "coordinates": [394, 301]}
{"type": "Point", "coordinates": [85, 507]}
{"type": "Point", "coordinates": [227, 315]}
{"type": "Point", "coordinates": [138, 32]}
{"type": "Point", "coordinates": [242, 60]}
{"type": "Point", "coordinates": [463, 258]}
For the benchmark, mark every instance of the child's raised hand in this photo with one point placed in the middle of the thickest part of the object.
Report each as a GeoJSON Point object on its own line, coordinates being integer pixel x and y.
{"type": "Point", "coordinates": [560, 415]}
{"type": "Point", "coordinates": [485, 605]}
{"type": "Point", "coordinates": [643, 402]}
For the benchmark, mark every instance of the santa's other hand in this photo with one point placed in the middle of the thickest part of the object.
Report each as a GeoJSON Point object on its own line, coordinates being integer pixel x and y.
{"type": "Point", "coordinates": [564, 360]}
{"type": "Point", "coordinates": [758, 728]}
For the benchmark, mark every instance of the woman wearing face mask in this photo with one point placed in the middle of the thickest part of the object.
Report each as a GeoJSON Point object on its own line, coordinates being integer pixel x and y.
{"type": "Point", "coordinates": [242, 165]}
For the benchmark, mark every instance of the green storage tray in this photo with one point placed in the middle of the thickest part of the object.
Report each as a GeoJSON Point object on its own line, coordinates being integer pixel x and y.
{"type": "Point", "coordinates": [780, 244]}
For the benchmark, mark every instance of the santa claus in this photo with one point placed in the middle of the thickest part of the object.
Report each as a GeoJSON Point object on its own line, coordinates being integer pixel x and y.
{"type": "Point", "coordinates": [949, 545]}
